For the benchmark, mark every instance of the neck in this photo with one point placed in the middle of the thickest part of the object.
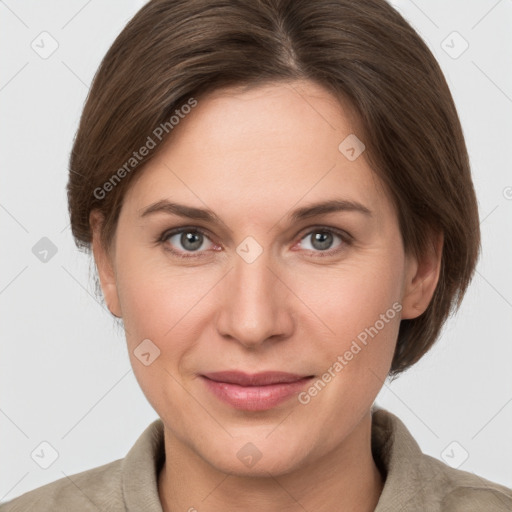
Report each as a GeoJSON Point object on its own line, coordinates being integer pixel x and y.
{"type": "Point", "coordinates": [347, 478]}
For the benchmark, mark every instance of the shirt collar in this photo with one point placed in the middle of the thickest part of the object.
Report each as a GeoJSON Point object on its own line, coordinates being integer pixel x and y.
{"type": "Point", "coordinates": [140, 469]}
{"type": "Point", "coordinates": [398, 457]}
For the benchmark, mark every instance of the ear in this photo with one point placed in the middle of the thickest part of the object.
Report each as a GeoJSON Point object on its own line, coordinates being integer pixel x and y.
{"type": "Point", "coordinates": [104, 264]}
{"type": "Point", "coordinates": [421, 278]}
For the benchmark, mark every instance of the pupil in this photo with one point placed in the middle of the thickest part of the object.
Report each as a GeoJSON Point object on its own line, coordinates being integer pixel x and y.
{"type": "Point", "coordinates": [322, 240]}
{"type": "Point", "coordinates": [191, 241]}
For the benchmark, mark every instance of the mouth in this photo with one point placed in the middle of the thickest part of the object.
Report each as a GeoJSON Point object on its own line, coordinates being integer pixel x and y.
{"type": "Point", "coordinates": [254, 392]}
{"type": "Point", "coordinates": [256, 379]}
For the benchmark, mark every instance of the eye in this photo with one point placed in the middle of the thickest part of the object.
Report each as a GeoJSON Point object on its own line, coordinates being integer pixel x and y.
{"type": "Point", "coordinates": [186, 240]}
{"type": "Point", "coordinates": [323, 239]}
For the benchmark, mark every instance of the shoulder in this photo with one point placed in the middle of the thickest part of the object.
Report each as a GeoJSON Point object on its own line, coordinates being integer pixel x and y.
{"type": "Point", "coordinates": [127, 483]}
{"type": "Point", "coordinates": [461, 491]}
{"type": "Point", "coordinates": [92, 490]}
{"type": "Point", "coordinates": [416, 481]}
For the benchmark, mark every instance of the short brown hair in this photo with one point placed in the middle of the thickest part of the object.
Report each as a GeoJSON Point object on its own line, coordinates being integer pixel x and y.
{"type": "Point", "coordinates": [362, 51]}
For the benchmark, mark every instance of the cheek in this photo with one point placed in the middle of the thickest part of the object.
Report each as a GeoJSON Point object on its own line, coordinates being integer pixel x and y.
{"type": "Point", "coordinates": [357, 308]}
{"type": "Point", "coordinates": [351, 297]}
{"type": "Point", "coordinates": [145, 288]}
{"type": "Point", "coordinates": [164, 303]}
{"type": "Point", "coordinates": [361, 305]}
{"type": "Point", "coordinates": [159, 305]}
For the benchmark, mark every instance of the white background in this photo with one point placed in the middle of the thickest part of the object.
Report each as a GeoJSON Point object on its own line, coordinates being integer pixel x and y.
{"type": "Point", "coordinates": [65, 375]}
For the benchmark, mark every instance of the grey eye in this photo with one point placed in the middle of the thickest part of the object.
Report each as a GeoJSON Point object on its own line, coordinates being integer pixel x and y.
{"type": "Point", "coordinates": [320, 240]}
{"type": "Point", "coordinates": [188, 240]}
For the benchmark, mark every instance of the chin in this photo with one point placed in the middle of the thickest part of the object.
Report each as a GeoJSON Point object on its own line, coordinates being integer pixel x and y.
{"type": "Point", "coordinates": [257, 457]}
{"type": "Point", "coordinates": [275, 466]}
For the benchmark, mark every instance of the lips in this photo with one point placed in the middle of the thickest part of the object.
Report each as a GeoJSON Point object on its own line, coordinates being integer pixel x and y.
{"type": "Point", "coordinates": [256, 392]}
{"type": "Point", "coordinates": [257, 379]}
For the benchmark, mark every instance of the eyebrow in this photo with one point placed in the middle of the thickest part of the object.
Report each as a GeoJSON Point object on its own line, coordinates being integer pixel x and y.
{"type": "Point", "coordinates": [204, 214]}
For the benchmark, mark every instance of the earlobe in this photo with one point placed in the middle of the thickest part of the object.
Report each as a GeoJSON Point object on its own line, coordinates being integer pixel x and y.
{"type": "Point", "coordinates": [104, 264]}
{"type": "Point", "coordinates": [422, 277]}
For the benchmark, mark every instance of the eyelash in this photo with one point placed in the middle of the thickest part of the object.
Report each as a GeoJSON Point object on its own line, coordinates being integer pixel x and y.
{"type": "Point", "coordinates": [345, 238]}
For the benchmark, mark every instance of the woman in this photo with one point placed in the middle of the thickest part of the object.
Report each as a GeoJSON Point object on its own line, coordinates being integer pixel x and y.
{"type": "Point", "coordinates": [278, 199]}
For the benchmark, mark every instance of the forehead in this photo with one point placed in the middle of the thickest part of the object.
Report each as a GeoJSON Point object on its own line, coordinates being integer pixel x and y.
{"type": "Point", "coordinates": [268, 145]}
{"type": "Point", "coordinates": [262, 117]}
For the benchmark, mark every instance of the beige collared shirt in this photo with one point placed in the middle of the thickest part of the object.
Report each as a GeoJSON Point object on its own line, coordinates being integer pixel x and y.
{"type": "Point", "coordinates": [415, 482]}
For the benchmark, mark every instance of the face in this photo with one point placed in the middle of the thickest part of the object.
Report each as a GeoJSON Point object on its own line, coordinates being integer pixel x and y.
{"type": "Point", "coordinates": [268, 281]}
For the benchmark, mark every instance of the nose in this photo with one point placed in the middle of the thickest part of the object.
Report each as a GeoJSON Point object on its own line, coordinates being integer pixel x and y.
{"type": "Point", "coordinates": [256, 306]}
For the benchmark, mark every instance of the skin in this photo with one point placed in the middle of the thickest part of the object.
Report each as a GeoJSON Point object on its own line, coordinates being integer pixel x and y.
{"type": "Point", "coordinates": [252, 157]}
